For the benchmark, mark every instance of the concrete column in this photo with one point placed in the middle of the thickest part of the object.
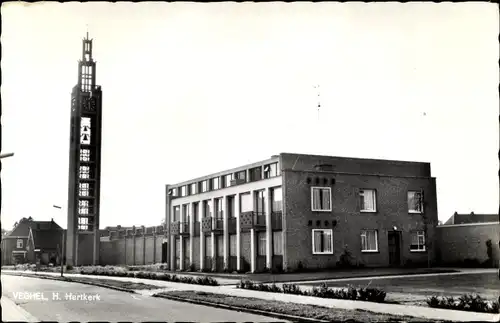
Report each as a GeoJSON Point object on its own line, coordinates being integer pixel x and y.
{"type": "Point", "coordinates": [171, 240]}
{"type": "Point", "coordinates": [154, 245]}
{"type": "Point", "coordinates": [202, 235]}
{"type": "Point", "coordinates": [181, 252]}
{"type": "Point", "coordinates": [269, 231]}
{"type": "Point", "coordinates": [252, 250]}
{"type": "Point", "coordinates": [143, 245]}
{"type": "Point", "coordinates": [133, 244]}
{"type": "Point", "coordinates": [212, 235]}
{"type": "Point", "coordinates": [191, 232]}
{"type": "Point", "coordinates": [253, 244]}
{"type": "Point", "coordinates": [238, 235]}
{"type": "Point", "coordinates": [225, 214]}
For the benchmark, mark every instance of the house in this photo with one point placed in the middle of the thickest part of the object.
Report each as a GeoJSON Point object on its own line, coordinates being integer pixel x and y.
{"type": "Point", "coordinates": [297, 211]}
{"type": "Point", "coordinates": [457, 218]}
{"type": "Point", "coordinates": [14, 242]}
{"type": "Point", "coordinates": [44, 242]}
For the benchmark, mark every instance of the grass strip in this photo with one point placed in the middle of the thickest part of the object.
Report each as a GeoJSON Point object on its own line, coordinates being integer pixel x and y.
{"type": "Point", "coordinates": [298, 310]}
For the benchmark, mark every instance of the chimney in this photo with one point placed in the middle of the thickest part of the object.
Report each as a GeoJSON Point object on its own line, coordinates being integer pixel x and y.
{"type": "Point", "coordinates": [51, 219]}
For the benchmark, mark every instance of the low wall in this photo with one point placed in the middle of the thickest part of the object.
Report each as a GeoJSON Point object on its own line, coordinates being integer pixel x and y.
{"type": "Point", "coordinates": [141, 246]}
{"type": "Point", "coordinates": [459, 242]}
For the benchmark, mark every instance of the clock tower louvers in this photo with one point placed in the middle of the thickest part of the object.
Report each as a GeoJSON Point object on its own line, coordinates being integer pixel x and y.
{"type": "Point", "coordinates": [82, 239]}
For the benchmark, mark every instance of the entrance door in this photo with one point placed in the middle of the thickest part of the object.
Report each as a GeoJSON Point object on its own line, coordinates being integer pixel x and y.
{"type": "Point", "coordinates": [164, 254]}
{"type": "Point", "coordinates": [394, 248]}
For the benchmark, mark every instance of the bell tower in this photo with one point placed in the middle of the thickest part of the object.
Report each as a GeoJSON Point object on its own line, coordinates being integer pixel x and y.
{"type": "Point", "coordinates": [84, 184]}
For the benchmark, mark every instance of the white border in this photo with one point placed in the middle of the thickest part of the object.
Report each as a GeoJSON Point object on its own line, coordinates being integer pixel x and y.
{"type": "Point", "coordinates": [312, 198]}
{"type": "Point", "coordinates": [331, 237]}
{"type": "Point", "coordinates": [376, 240]}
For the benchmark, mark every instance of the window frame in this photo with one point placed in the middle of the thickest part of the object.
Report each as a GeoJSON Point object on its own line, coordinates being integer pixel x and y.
{"type": "Point", "coordinates": [421, 202]}
{"type": "Point", "coordinates": [331, 240]}
{"type": "Point", "coordinates": [363, 232]}
{"type": "Point", "coordinates": [330, 197]}
{"type": "Point", "coordinates": [361, 193]}
{"type": "Point", "coordinates": [418, 235]}
{"type": "Point", "coordinates": [19, 244]}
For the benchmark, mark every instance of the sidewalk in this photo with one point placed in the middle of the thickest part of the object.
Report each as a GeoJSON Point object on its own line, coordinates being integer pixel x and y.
{"type": "Point", "coordinates": [15, 313]}
{"type": "Point", "coordinates": [416, 311]}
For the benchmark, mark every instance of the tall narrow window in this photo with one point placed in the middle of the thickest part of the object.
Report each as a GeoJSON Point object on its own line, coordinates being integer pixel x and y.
{"type": "Point", "coordinates": [218, 208]}
{"type": "Point", "coordinates": [277, 199]}
{"type": "Point", "coordinates": [227, 180]}
{"type": "Point", "coordinates": [204, 186]}
{"type": "Point", "coordinates": [196, 212]}
{"type": "Point", "coordinates": [260, 201]}
{"type": "Point", "coordinates": [242, 175]}
{"type": "Point", "coordinates": [208, 209]}
{"type": "Point", "coordinates": [177, 213]}
{"type": "Point", "coordinates": [322, 240]}
{"type": "Point", "coordinates": [367, 200]}
{"type": "Point", "coordinates": [230, 207]}
{"type": "Point", "coordinates": [321, 199]}
{"type": "Point", "coordinates": [262, 244]}
{"type": "Point", "coordinates": [193, 189]}
{"type": "Point", "coordinates": [256, 174]}
{"type": "Point", "coordinates": [278, 243]}
{"type": "Point", "coordinates": [232, 245]}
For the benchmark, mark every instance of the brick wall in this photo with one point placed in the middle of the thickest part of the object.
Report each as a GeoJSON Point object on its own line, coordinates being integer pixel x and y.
{"type": "Point", "coordinates": [85, 249]}
{"type": "Point", "coordinates": [129, 253]}
{"type": "Point", "coordinates": [392, 210]}
{"type": "Point", "coordinates": [139, 250]}
{"type": "Point", "coordinates": [467, 241]}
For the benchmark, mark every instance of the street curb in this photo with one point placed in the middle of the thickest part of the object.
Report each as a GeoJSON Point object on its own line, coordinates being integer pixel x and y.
{"type": "Point", "coordinates": [75, 281]}
{"type": "Point", "coordinates": [243, 309]}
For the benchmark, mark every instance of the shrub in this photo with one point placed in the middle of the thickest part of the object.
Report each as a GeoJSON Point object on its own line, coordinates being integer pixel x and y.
{"type": "Point", "coordinates": [372, 295]}
{"type": "Point", "coordinates": [345, 260]}
{"type": "Point", "coordinates": [466, 302]}
{"type": "Point", "coordinates": [69, 267]}
{"type": "Point", "coordinates": [292, 289]}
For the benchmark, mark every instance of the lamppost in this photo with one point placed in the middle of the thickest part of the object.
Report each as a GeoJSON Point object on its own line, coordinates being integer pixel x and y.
{"type": "Point", "coordinates": [2, 156]}
{"type": "Point", "coordinates": [62, 248]}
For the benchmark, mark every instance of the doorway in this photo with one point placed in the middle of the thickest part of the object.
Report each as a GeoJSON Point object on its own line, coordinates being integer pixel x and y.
{"type": "Point", "coordinates": [394, 238]}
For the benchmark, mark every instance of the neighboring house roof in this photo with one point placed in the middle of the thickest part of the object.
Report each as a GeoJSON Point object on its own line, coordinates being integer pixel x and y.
{"type": "Point", "coordinates": [471, 218]}
{"type": "Point", "coordinates": [22, 229]}
{"type": "Point", "coordinates": [46, 239]}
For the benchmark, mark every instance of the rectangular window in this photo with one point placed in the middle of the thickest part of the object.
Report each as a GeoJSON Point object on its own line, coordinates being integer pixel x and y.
{"type": "Point", "coordinates": [184, 190]}
{"type": "Point", "coordinates": [242, 175]}
{"type": "Point", "coordinates": [208, 209]}
{"type": "Point", "coordinates": [278, 243]}
{"type": "Point", "coordinates": [368, 201]}
{"type": "Point", "coordinates": [84, 155]}
{"type": "Point", "coordinates": [261, 242]}
{"type": "Point", "coordinates": [417, 241]}
{"type": "Point", "coordinates": [232, 245]}
{"type": "Point", "coordinates": [185, 213]}
{"type": "Point", "coordinates": [196, 212]}
{"type": "Point", "coordinates": [84, 189]}
{"type": "Point", "coordinates": [218, 208]}
{"type": "Point", "coordinates": [215, 183]}
{"type": "Point", "coordinates": [220, 245]}
{"type": "Point", "coordinates": [227, 180]}
{"type": "Point", "coordinates": [246, 202]}
{"type": "Point", "coordinates": [19, 243]}
{"type": "Point", "coordinates": [260, 201]}
{"type": "Point", "coordinates": [277, 197]}
{"type": "Point", "coordinates": [204, 186]}
{"type": "Point", "coordinates": [321, 199]}
{"type": "Point", "coordinates": [83, 224]}
{"type": "Point", "coordinates": [230, 207]}
{"type": "Point", "coordinates": [256, 174]}
{"type": "Point", "coordinates": [177, 213]}
{"type": "Point", "coordinates": [193, 189]}
{"type": "Point", "coordinates": [271, 170]}
{"type": "Point", "coordinates": [415, 202]}
{"type": "Point", "coordinates": [84, 172]}
{"type": "Point", "coordinates": [369, 241]}
{"type": "Point", "coordinates": [322, 240]}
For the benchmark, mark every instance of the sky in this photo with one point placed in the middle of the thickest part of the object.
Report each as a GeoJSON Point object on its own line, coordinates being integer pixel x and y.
{"type": "Point", "coordinates": [191, 89]}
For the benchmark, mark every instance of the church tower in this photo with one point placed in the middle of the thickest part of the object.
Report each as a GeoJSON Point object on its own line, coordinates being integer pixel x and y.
{"type": "Point", "coordinates": [84, 184]}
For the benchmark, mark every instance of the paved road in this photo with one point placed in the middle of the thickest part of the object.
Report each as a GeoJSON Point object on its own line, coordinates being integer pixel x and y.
{"type": "Point", "coordinates": [113, 305]}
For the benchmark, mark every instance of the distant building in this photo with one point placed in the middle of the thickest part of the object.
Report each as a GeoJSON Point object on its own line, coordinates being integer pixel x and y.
{"type": "Point", "coordinates": [45, 243]}
{"type": "Point", "coordinates": [296, 210]}
{"type": "Point", "coordinates": [457, 218]}
{"type": "Point", "coordinates": [15, 243]}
